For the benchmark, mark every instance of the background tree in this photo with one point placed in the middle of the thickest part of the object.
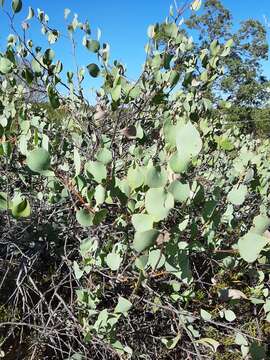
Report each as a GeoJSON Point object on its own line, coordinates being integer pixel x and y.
{"type": "Point", "coordinates": [243, 82]}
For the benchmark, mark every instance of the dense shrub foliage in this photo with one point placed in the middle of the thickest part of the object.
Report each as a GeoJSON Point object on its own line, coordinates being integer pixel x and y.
{"type": "Point", "coordinates": [137, 227]}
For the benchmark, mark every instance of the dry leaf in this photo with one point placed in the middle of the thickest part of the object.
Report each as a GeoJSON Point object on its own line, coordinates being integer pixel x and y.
{"type": "Point", "coordinates": [163, 237]}
{"type": "Point", "coordinates": [231, 294]}
{"type": "Point", "coordinates": [129, 132]}
{"type": "Point", "coordinates": [100, 113]}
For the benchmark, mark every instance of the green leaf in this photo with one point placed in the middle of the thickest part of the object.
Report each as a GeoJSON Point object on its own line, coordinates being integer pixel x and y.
{"type": "Point", "coordinates": [169, 134]}
{"type": "Point", "coordinates": [188, 140]}
{"type": "Point", "coordinates": [104, 155]}
{"type": "Point", "coordinates": [113, 260]}
{"type": "Point", "coordinates": [88, 246]}
{"type": "Point", "coordinates": [155, 177]}
{"type": "Point", "coordinates": [229, 43]}
{"type": "Point", "coordinates": [151, 31]}
{"type": "Point", "coordinates": [123, 305]}
{"type": "Point", "coordinates": [36, 67]}
{"type": "Point", "coordinates": [116, 92]}
{"type": "Point", "coordinates": [214, 47]}
{"type": "Point", "coordinates": [100, 216]}
{"type": "Point", "coordinates": [261, 224]}
{"type": "Point", "coordinates": [250, 246]}
{"type": "Point", "coordinates": [38, 160]}
{"type": "Point", "coordinates": [183, 225]}
{"type": "Point", "coordinates": [156, 259]}
{"type": "Point", "coordinates": [5, 65]}
{"type": "Point", "coordinates": [97, 170]}
{"type": "Point", "coordinates": [229, 315]}
{"type": "Point", "coordinates": [53, 97]}
{"type": "Point", "coordinates": [205, 315]}
{"type": "Point", "coordinates": [16, 5]}
{"type": "Point", "coordinates": [143, 240]}
{"type": "Point", "coordinates": [84, 217]}
{"type": "Point", "coordinates": [135, 177]}
{"type": "Point", "coordinates": [179, 162]}
{"type": "Point", "coordinates": [100, 194]}
{"type": "Point", "coordinates": [179, 190]}
{"type": "Point", "coordinates": [237, 195]}
{"type": "Point", "coordinates": [141, 262]}
{"type": "Point", "coordinates": [177, 262]}
{"type": "Point", "coordinates": [171, 343]}
{"type": "Point", "coordinates": [93, 70]}
{"type": "Point", "coordinates": [142, 222]}
{"type": "Point", "coordinates": [213, 344]}
{"type": "Point", "coordinates": [174, 77]}
{"type": "Point", "coordinates": [48, 56]}
{"type": "Point", "coordinates": [226, 144]}
{"type": "Point", "coordinates": [240, 340]}
{"type": "Point", "coordinates": [20, 207]}
{"type": "Point", "coordinates": [28, 76]}
{"type": "Point", "coordinates": [93, 45]}
{"type": "Point", "coordinates": [158, 203]}
{"type": "Point", "coordinates": [77, 271]}
{"type": "Point", "coordinates": [170, 30]}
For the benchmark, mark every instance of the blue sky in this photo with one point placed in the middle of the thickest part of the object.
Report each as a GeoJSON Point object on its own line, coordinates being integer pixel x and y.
{"type": "Point", "coordinates": [123, 24]}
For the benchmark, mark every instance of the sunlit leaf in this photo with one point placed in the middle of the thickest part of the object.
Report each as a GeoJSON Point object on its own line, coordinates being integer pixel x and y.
{"type": "Point", "coordinates": [5, 65]}
{"type": "Point", "coordinates": [145, 239]}
{"type": "Point", "coordinates": [250, 246]}
{"type": "Point", "coordinates": [84, 217]}
{"type": "Point", "coordinates": [237, 195]}
{"type": "Point", "coordinates": [142, 222]}
{"type": "Point", "coordinates": [123, 305]}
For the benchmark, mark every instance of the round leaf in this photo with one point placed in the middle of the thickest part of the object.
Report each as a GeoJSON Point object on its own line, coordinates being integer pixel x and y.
{"type": "Point", "coordinates": [179, 163]}
{"type": "Point", "coordinates": [179, 190]}
{"type": "Point", "coordinates": [84, 218]}
{"type": "Point", "coordinates": [237, 195]}
{"type": "Point", "coordinates": [135, 177]}
{"type": "Point", "coordinates": [5, 65]}
{"type": "Point", "coordinates": [123, 305]}
{"type": "Point", "coordinates": [188, 140]}
{"type": "Point", "coordinates": [143, 240]}
{"type": "Point", "coordinates": [158, 203]}
{"type": "Point", "coordinates": [142, 222]}
{"type": "Point", "coordinates": [100, 194]}
{"type": "Point", "coordinates": [20, 207]}
{"type": "Point", "coordinates": [93, 45]}
{"type": "Point", "coordinates": [113, 260]}
{"type": "Point", "coordinates": [93, 70]}
{"type": "Point", "coordinates": [155, 177]}
{"type": "Point", "coordinates": [156, 259]}
{"type": "Point", "coordinates": [229, 315]}
{"type": "Point", "coordinates": [97, 170]}
{"type": "Point", "coordinates": [250, 246]}
{"type": "Point", "coordinates": [104, 155]}
{"type": "Point", "coordinates": [38, 160]}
